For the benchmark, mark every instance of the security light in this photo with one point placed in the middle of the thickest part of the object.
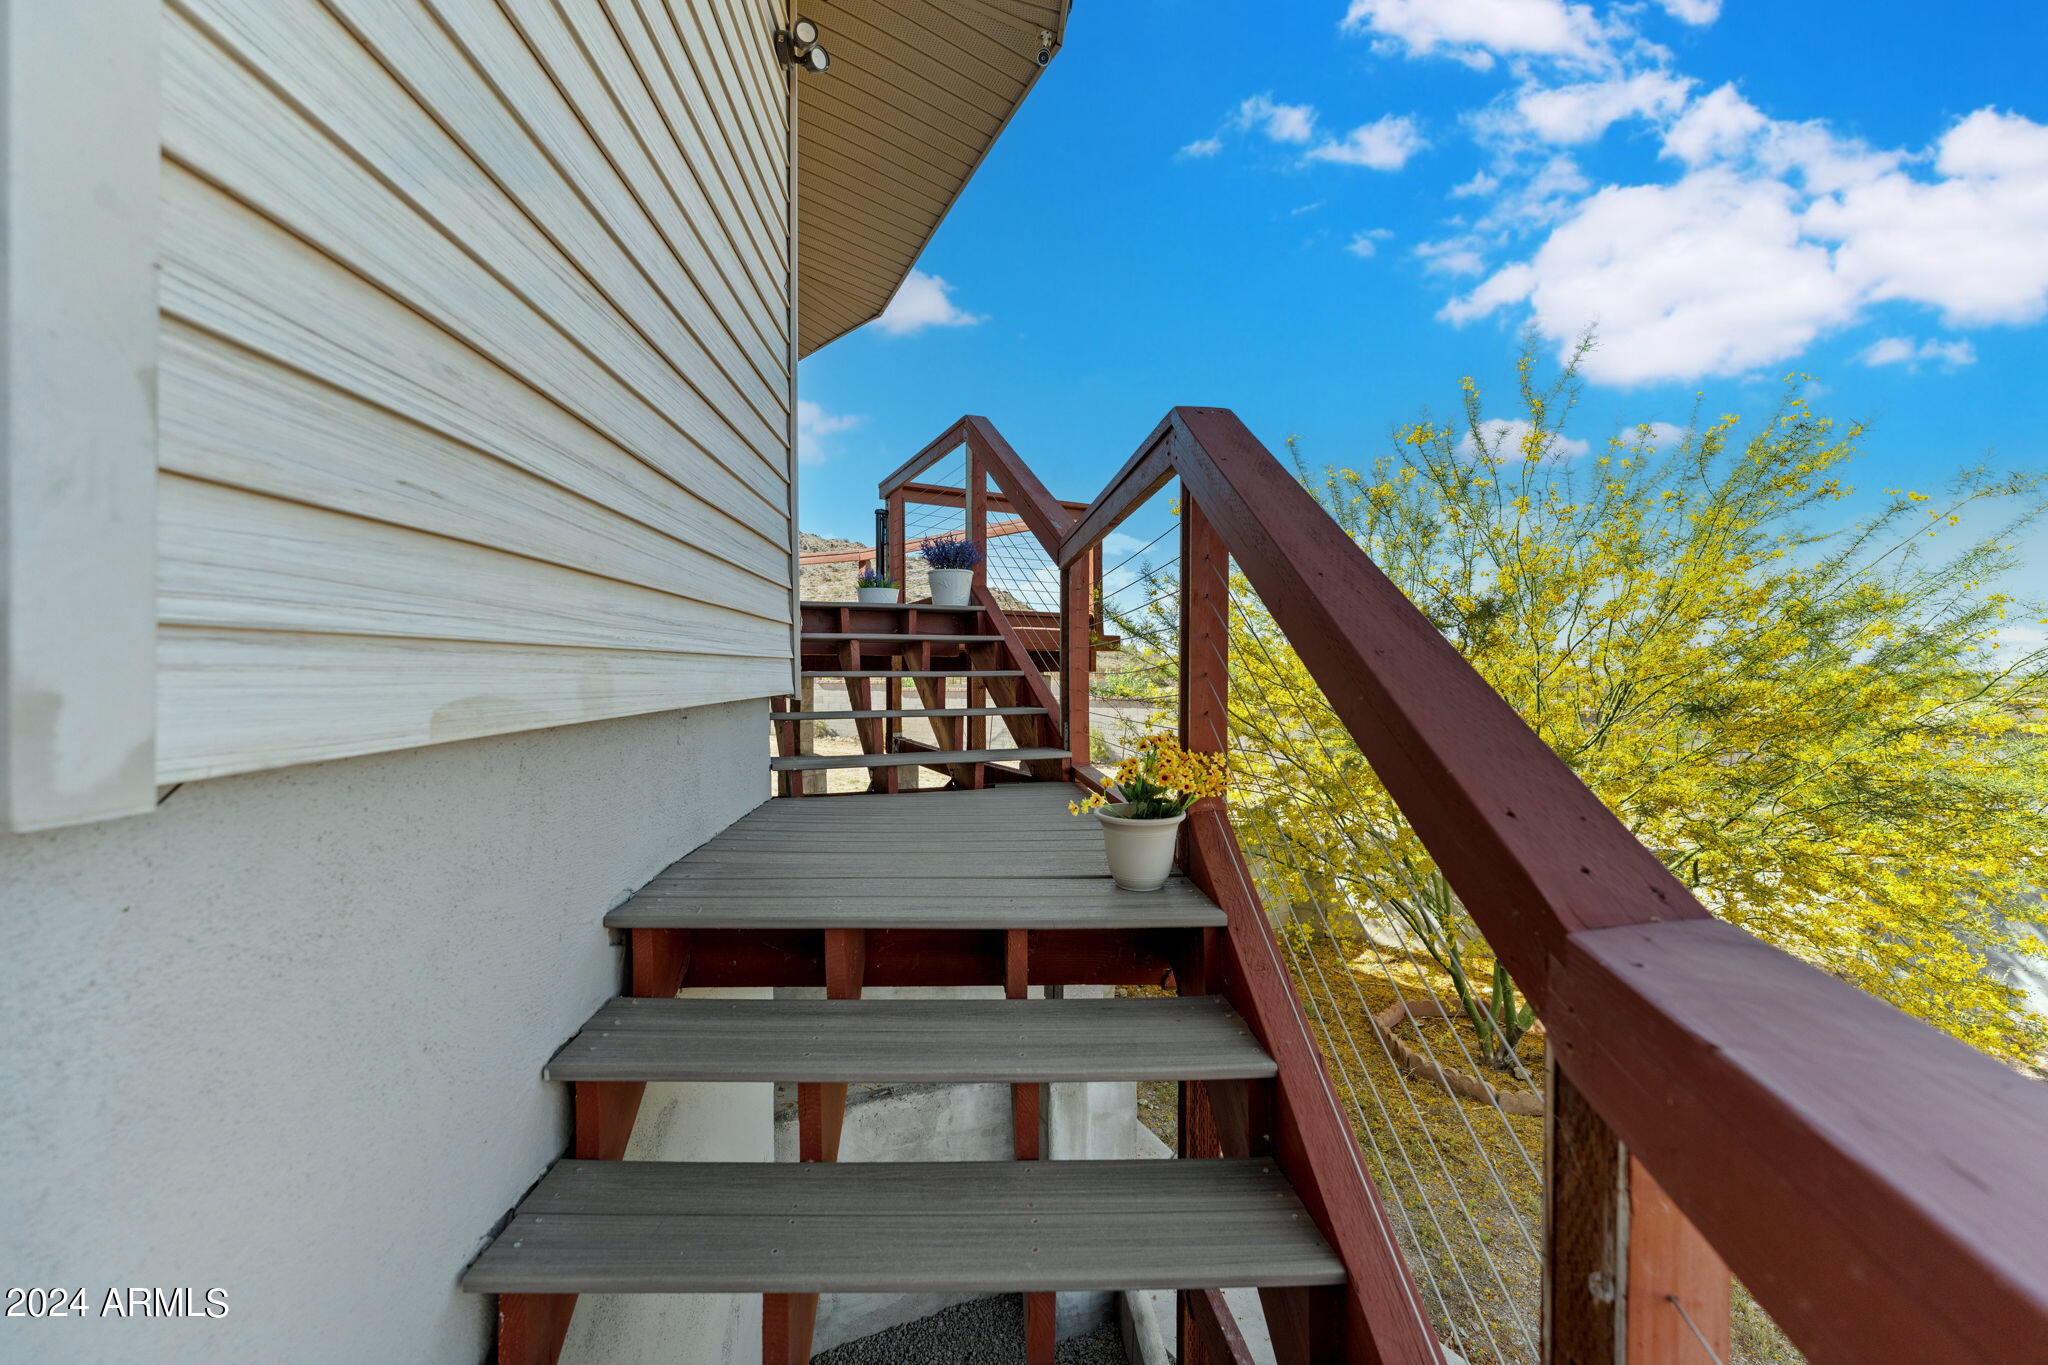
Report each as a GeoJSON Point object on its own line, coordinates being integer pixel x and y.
{"type": "Point", "coordinates": [800, 47]}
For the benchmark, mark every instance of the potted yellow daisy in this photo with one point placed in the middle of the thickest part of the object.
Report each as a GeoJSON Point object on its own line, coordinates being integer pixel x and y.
{"type": "Point", "coordinates": [1159, 781]}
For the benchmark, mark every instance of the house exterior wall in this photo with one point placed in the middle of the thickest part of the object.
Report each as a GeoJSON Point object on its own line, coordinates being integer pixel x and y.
{"type": "Point", "coordinates": [474, 371]}
{"type": "Point", "coordinates": [285, 1038]}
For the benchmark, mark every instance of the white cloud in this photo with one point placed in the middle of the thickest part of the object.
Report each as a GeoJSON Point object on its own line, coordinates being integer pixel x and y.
{"type": "Point", "coordinates": [1292, 123]}
{"type": "Point", "coordinates": [1663, 435]}
{"type": "Point", "coordinates": [1300, 209]}
{"type": "Point", "coordinates": [1573, 114]}
{"type": "Point", "coordinates": [1717, 125]}
{"type": "Point", "coordinates": [1477, 31]}
{"type": "Point", "coordinates": [1973, 244]}
{"type": "Point", "coordinates": [1383, 145]}
{"type": "Point", "coordinates": [1367, 243]}
{"type": "Point", "coordinates": [923, 301]}
{"type": "Point", "coordinates": [1539, 200]}
{"type": "Point", "coordinates": [1905, 351]}
{"type": "Point", "coordinates": [1512, 438]}
{"type": "Point", "coordinates": [1710, 275]}
{"type": "Point", "coordinates": [2018, 641]}
{"type": "Point", "coordinates": [1480, 185]}
{"type": "Point", "coordinates": [1693, 11]}
{"type": "Point", "coordinates": [1780, 232]}
{"type": "Point", "coordinates": [1452, 256]}
{"type": "Point", "coordinates": [814, 425]}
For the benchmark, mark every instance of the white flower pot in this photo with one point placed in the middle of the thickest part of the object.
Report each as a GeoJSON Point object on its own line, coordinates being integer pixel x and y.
{"type": "Point", "coordinates": [883, 595]}
{"type": "Point", "coordinates": [1140, 851]}
{"type": "Point", "coordinates": [951, 586]}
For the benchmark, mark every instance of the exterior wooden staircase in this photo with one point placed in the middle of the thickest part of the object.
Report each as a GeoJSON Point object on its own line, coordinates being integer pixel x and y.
{"type": "Point", "coordinates": [1697, 1117]}
{"type": "Point", "coordinates": [863, 644]}
{"type": "Point", "coordinates": [998, 886]}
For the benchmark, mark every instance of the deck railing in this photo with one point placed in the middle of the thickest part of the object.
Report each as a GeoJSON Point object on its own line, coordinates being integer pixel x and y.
{"type": "Point", "coordinates": [1713, 1104]}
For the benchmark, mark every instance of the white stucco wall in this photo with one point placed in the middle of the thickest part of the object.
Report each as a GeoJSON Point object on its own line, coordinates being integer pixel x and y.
{"type": "Point", "coordinates": [284, 1035]}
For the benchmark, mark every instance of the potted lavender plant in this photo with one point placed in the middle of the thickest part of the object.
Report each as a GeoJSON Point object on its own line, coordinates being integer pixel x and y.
{"type": "Point", "coordinates": [952, 562]}
{"type": "Point", "coordinates": [876, 585]}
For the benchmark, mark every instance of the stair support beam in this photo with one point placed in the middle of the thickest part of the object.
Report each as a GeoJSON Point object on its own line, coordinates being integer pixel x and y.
{"type": "Point", "coordinates": [1041, 1311]}
{"type": "Point", "coordinates": [788, 1320]}
{"type": "Point", "coordinates": [1028, 690]}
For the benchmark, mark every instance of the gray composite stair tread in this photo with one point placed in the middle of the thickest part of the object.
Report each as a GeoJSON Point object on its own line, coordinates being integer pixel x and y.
{"type": "Point", "coordinates": [889, 606]}
{"type": "Point", "coordinates": [913, 673]}
{"type": "Point", "coordinates": [911, 758]}
{"type": "Point", "coordinates": [592, 1227]}
{"type": "Point", "coordinates": [943, 712]}
{"type": "Point", "coordinates": [1180, 1038]}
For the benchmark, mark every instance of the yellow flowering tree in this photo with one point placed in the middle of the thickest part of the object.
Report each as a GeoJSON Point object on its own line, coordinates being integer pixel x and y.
{"type": "Point", "coordinates": [1821, 727]}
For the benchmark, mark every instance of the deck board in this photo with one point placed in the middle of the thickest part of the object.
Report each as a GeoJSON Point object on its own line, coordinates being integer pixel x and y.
{"type": "Point", "coordinates": [1005, 858]}
{"type": "Point", "coordinates": [1193, 1038]}
{"type": "Point", "coordinates": [904, 1227]}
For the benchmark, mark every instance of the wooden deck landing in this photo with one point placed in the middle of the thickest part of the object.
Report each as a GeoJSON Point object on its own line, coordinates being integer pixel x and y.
{"type": "Point", "coordinates": [1005, 858]}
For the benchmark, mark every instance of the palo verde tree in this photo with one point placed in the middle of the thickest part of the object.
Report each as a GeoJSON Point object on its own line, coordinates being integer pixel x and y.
{"type": "Point", "coordinates": [1819, 722]}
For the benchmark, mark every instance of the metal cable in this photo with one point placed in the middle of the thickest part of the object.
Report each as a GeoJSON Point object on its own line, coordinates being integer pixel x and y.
{"type": "Point", "coordinates": [1400, 928]}
{"type": "Point", "coordinates": [1242, 874]}
{"type": "Point", "coordinates": [1329, 994]}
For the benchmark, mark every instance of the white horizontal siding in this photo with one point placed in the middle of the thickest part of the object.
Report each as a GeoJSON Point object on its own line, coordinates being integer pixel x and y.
{"type": "Point", "coordinates": [475, 372]}
{"type": "Point", "coordinates": [265, 699]}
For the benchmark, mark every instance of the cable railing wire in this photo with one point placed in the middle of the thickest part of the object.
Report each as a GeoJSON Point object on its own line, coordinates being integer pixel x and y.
{"type": "Point", "coordinates": [1158, 630]}
{"type": "Point", "coordinates": [1257, 637]}
{"type": "Point", "coordinates": [1336, 1012]}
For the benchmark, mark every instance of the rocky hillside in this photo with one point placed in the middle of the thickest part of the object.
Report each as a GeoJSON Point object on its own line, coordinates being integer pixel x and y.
{"type": "Point", "coordinates": [835, 582]}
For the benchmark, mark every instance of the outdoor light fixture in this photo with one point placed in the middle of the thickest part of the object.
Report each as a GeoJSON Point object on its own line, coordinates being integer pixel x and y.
{"type": "Point", "coordinates": [800, 47]}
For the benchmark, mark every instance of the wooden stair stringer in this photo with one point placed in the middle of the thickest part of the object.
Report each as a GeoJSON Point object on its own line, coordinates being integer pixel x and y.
{"type": "Point", "coordinates": [1028, 690]}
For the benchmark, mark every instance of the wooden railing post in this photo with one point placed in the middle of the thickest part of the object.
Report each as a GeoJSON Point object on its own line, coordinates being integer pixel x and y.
{"type": "Point", "coordinates": [1075, 649]}
{"type": "Point", "coordinates": [1625, 1276]}
{"type": "Point", "coordinates": [899, 559]}
{"type": "Point", "coordinates": [977, 508]}
{"type": "Point", "coordinates": [1204, 632]}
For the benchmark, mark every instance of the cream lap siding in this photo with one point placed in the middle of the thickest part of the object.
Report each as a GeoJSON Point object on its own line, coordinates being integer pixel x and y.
{"type": "Point", "coordinates": [474, 371]}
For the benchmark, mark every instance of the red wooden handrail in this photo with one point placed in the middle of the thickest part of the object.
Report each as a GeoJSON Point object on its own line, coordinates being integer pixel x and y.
{"type": "Point", "coordinates": [1882, 1189]}
{"type": "Point", "coordinates": [1047, 516]}
{"type": "Point", "coordinates": [944, 495]}
{"type": "Point", "coordinates": [1049, 520]}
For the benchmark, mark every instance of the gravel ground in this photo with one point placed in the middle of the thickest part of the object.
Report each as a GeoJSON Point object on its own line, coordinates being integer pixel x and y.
{"type": "Point", "coordinates": [987, 1331]}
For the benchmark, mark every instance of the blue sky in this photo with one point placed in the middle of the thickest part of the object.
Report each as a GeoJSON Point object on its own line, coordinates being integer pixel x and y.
{"type": "Point", "coordinates": [1324, 213]}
